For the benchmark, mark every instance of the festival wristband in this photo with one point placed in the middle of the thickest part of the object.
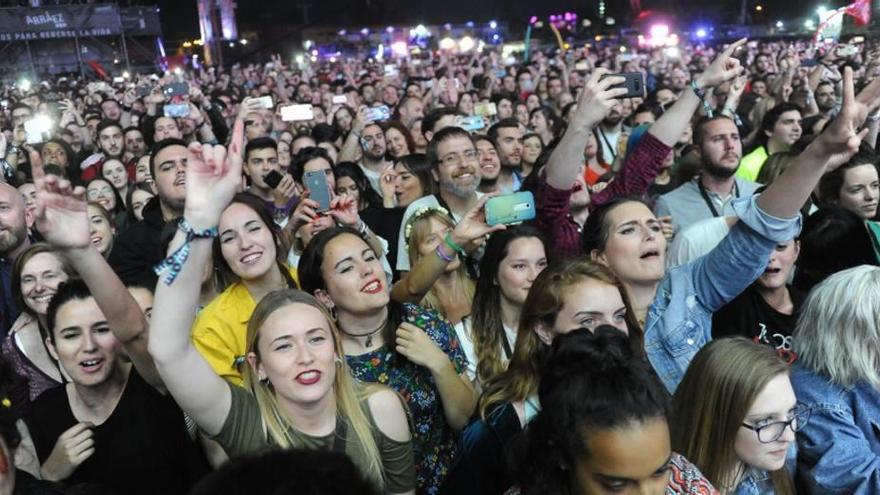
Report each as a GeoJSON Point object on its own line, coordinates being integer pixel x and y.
{"type": "Point", "coordinates": [174, 263]}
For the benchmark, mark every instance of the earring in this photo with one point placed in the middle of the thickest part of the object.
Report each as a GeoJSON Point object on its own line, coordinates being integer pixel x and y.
{"type": "Point", "coordinates": [333, 314]}
{"type": "Point", "coordinates": [337, 360]}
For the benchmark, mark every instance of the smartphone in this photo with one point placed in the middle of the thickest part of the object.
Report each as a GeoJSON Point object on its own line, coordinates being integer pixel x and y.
{"type": "Point", "coordinates": [266, 102]}
{"type": "Point", "coordinates": [809, 62]}
{"type": "Point", "coordinates": [391, 70]}
{"type": "Point", "coordinates": [297, 113]}
{"type": "Point", "coordinates": [4, 103]}
{"type": "Point", "coordinates": [37, 129]}
{"type": "Point", "coordinates": [176, 110]}
{"type": "Point", "coordinates": [847, 50]}
{"type": "Point", "coordinates": [316, 182]}
{"type": "Point", "coordinates": [118, 80]}
{"type": "Point", "coordinates": [176, 89]}
{"type": "Point", "coordinates": [471, 123]}
{"type": "Point", "coordinates": [377, 114]}
{"type": "Point", "coordinates": [340, 100]}
{"type": "Point", "coordinates": [142, 91]}
{"type": "Point", "coordinates": [581, 66]}
{"type": "Point", "coordinates": [510, 209]}
{"type": "Point", "coordinates": [500, 73]}
{"type": "Point", "coordinates": [634, 84]}
{"type": "Point", "coordinates": [273, 178]}
{"type": "Point", "coordinates": [485, 109]}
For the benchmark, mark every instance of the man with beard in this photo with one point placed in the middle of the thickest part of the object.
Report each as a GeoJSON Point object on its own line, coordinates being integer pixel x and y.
{"type": "Point", "coordinates": [710, 194]}
{"type": "Point", "coordinates": [410, 109]}
{"type": "Point", "coordinates": [780, 129]}
{"type": "Point", "coordinates": [490, 165]}
{"type": "Point", "coordinates": [137, 249]}
{"type": "Point", "coordinates": [826, 100]}
{"type": "Point", "coordinates": [508, 138]}
{"type": "Point", "coordinates": [111, 142]}
{"type": "Point", "coordinates": [610, 131]}
{"type": "Point", "coordinates": [562, 199]}
{"type": "Point", "coordinates": [15, 220]}
{"type": "Point", "coordinates": [456, 168]}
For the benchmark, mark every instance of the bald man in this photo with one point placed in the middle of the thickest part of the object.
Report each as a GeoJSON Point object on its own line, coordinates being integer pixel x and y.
{"type": "Point", "coordinates": [15, 220]}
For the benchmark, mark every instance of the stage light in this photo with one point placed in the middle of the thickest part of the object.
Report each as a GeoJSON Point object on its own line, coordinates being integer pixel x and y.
{"type": "Point", "coordinates": [610, 21]}
{"type": "Point", "coordinates": [759, 8]}
{"type": "Point", "coordinates": [399, 48]}
{"type": "Point", "coordinates": [533, 19]}
{"type": "Point", "coordinates": [493, 25]}
{"type": "Point", "coordinates": [809, 24]}
{"type": "Point", "coordinates": [495, 37]}
{"type": "Point", "coordinates": [701, 33]}
{"type": "Point", "coordinates": [659, 31]}
{"type": "Point", "coordinates": [821, 11]}
{"type": "Point", "coordinates": [365, 32]}
{"type": "Point", "coordinates": [447, 44]}
{"type": "Point", "coordinates": [25, 85]}
{"type": "Point", "coordinates": [244, 42]}
{"type": "Point", "coordinates": [466, 44]}
{"type": "Point", "coordinates": [389, 29]}
{"type": "Point", "coordinates": [126, 75]}
{"type": "Point", "coordinates": [779, 25]}
{"type": "Point", "coordinates": [469, 24]}
{"type": "Point", "coordinates": [342, 32]}
{"type": "Point", "coordinates": [586, 23]}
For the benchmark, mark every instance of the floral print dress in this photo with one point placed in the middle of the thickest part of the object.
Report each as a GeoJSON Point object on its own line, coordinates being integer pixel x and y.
{"type": "Point", "coordinates": [434, 441]}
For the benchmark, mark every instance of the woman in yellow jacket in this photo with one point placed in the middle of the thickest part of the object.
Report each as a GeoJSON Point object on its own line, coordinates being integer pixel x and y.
{"type": "Point", "coordinates": [249, 251]}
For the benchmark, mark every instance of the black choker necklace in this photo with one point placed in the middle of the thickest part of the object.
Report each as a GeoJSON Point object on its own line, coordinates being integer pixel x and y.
{"type": "Point", "coordinates": [369, 336]}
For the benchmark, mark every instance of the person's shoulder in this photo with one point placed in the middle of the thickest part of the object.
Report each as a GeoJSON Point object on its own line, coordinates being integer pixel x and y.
{"type": "Point", "coordinates": [747, 187]}
{"type": "Point", "coordinates": [388, 412]}
{"type": "Point", "coordinates": [686, 477]}
{"type": "Point", "coordinates": [685, 189]}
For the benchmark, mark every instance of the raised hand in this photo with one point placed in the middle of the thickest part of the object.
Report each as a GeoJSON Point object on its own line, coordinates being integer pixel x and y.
{"type": "Point", "coordinates": [344, 210]}
{"type": "Point", "coordinates": [212, 179]}
{"type": "Point", "coordinates": [724, 68]}
{"type": "Point", "coordinates": [841, 139]}
{"type": "Point", "coordinates": [597, 99]}
{"type": "Point", "coordinates": [472, 228]}
{"type": "Point", "coordinates": [386, 184]}
{"type": "Point", "coordinates": [61, 213]}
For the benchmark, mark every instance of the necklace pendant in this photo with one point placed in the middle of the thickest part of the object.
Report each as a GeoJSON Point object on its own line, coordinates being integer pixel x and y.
{"type": "Point", "coordinates": [369, 341]}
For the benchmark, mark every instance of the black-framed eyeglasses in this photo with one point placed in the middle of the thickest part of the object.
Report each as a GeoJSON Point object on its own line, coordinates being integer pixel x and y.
{"type": "Point", "coordinates": [771, 432]}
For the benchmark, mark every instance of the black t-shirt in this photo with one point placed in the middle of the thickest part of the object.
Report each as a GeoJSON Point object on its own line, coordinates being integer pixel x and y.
{"type": "Point", "coordinates": [142, 448]}
{"type": "Point", "coordinates": [749, 315]}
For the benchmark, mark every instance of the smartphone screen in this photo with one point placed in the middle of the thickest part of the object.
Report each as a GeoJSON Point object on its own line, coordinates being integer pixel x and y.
{"type": "Point", "coordinates": [297, 113]}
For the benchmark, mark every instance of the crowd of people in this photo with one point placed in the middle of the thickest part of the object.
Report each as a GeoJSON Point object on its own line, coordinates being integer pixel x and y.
{"type": "Point", "coordinates": [282, 278]}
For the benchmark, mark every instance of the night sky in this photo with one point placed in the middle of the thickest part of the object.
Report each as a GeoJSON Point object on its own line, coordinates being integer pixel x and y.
{"type": "Point", "coordinates": [180, 21]}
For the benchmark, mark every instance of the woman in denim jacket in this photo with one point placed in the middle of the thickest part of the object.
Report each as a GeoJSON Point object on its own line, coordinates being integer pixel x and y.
{"type": "Point", "coordinates": [736, 423]}
{"type": "Point", "coordinates": [676, 307]}
{"type": "Point", "coordinates": [838, 375]}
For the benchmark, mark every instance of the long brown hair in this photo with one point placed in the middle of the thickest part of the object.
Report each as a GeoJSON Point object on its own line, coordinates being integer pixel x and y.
{"type": "Point", "coordinates": [720, 385]}
{"type": "Point", "coordinates": [349, 392]}
{"type": "Point", "coordinates": [546, 298]}
{"type": "Point", "coordinates": [24, 258]}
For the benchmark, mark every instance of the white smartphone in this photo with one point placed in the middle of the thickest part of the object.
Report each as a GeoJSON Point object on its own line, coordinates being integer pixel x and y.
{"type": "Point", "coordinates": [297, 113]}
{"type": "Point", "coordinates": [266, 102]}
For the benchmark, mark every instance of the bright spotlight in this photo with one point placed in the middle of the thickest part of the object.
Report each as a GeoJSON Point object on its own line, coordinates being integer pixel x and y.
{"type": "Point", "coordinates": [809, 24]}
{"type": "Point", "coordinates": [701, 33]}
{"type": "Point", "coordinates": [493, 25]}
{"type": "Point", "coordinates": [779, 25]}
{"type": "Point", "coordinates": [466, 44]}
{"type": "Point", "coordinates": [399, 48]}
{"type": "Point", "coordinates": [447, 44]}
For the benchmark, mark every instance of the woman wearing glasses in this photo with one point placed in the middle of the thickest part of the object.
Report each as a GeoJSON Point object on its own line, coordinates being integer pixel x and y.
{"type": "Point", "coordinates": [837, 340]}
{"type": "Point", "coordinates": [737, 423]}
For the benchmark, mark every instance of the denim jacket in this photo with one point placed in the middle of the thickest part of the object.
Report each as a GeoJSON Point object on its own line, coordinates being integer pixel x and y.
{"type": "Point", "coordinates": [758, 482]}
{"type": "Point", "coordinates": [839, 448]}
{"type": "Point", "coordinates": [679, 321]}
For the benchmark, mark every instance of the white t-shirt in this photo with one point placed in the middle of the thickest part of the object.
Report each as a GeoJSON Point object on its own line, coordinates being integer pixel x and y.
{"type": "Point", "coordinates": [463, 332]}
{"type": "Point", "coordinates": [373, 177]}
{"type": "Point", "coordinates": [403, 262]}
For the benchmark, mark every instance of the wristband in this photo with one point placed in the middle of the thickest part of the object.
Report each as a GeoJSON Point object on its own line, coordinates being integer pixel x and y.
{"type": "Point", "coordinates": [442, 255]}
{"type": "Point", "coordinates": [701, 94]}
{"type": "Point", "coordinates": [174, 262]}
{"type": "Point", "coordinates": [452, 245]}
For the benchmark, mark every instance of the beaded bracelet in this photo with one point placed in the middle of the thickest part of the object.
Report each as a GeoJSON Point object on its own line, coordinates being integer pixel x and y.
{"type": "Point", "coordinates": [452, 245]}
{"type": "Point", "coordinates": [442, 255]}
{"type": "Point", "coordinates": [174, 262]}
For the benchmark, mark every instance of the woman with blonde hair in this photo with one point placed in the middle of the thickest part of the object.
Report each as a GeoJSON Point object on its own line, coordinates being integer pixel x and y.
{"type": "Point", "coordinates": [450, 292]}
{"type": "Point", "coordinates": [564, 297]}
{"type": "Point", "coordinates": [837, 375]}
{"type": "Point", "coordinates": [299, 392]}
{"type": "Point", "coordinates": [736, 423]}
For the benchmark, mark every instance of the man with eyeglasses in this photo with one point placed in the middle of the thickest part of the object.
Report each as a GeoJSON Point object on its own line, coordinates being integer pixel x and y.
{"type": "Point", "coordinates": [456, 163]}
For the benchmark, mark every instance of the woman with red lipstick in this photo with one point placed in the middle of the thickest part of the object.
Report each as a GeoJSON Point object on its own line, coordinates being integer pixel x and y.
{"type": "Point", "coordinates": [248, 250]}
{"type": "Point", "coordinates": [298, 393]}
{"type": "Point", "coordinates": [408, 348]}
{"type": "Point", "coordinates": [737, 423]}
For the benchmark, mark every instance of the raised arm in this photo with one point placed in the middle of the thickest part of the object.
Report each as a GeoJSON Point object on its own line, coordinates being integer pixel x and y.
{"type": "Point", "coordinates": [596, 100]}
{"type": "Point", "coordinates": [62, 219]}
{"type": "Point", "coordinates": [643, 163]}
{"type": "Point", "coordinates": [211, 181]}
{"type": "Point", "coordinates": [413, 286]}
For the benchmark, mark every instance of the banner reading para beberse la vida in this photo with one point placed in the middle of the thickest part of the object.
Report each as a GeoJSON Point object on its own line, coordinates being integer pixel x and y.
{"type": "Point", "coordinates": [43, 23]}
